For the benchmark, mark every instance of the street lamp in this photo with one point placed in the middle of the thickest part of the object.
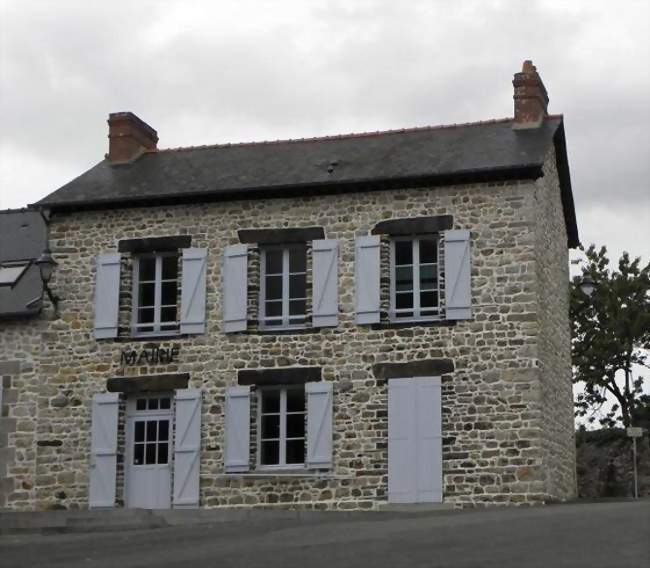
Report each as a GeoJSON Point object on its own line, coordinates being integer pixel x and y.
{"type": "Point", "coordinates": [587, 286]}
{"type": "Point", "coordinates": [46, 265]}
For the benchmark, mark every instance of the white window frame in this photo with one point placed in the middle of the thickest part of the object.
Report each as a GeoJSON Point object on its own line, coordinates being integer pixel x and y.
{"type": "Point", "coordinates": [157, 307]}
{"type": "Point", "coordinates": [283, 428]}
{"type": "Point", "coordinates": [285, 317]}
{"type": "Point", "coordinates": [435, 313]}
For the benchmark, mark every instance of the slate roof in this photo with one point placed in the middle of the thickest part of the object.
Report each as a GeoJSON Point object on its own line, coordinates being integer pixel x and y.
{"type": "Point", "coordinates": [23, 236]}
{"type": "Point", "coordinates": [438, 155]}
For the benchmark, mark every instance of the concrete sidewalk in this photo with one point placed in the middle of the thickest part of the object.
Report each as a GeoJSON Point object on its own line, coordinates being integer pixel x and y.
{"type": "Point", "coordinates": [114, 520]}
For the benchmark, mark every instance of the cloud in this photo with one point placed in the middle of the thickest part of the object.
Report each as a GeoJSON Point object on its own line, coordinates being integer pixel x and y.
{"type": "Point", "coordinates": [206, 72]}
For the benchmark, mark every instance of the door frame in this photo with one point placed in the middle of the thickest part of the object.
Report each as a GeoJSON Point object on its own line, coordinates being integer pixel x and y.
{"type": "Point", "coordinates": [129, 417]}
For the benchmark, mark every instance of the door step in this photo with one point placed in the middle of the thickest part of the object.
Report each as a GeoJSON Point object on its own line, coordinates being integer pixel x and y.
{"type": "Point", "coordinates": [415, 507]}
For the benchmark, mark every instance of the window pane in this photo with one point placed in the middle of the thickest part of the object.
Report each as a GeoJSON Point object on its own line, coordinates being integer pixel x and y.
{"type": "Point", "coordinates": [428, 277]}
{"type": "Point", "coordinates": [428, 251]}
{"type": "Point", "coordinates": [403, 301]}
{"type": "Point", "coordinates": [271, 401]}
{"type": "Point", "coordinates": [139, 431]}
{"type": "Point", "coordinates": [151, 453]}
{"type": "Point", "coordinates": [168, 314]}
{"type": "Point", "coordinates": [169, 293]}
{"type": "Point", "coordinates": [138, 454]}
{"type": "Point", "coordinates": [403, 252]}
{"type": "Point", "coordinates": [163, 429]}
{"type": "Point", "coordinates": [404, 278]}
{"type": "Point", "coordinates": [297, 260]}
{"type": "Point", "coordinates": [297, 308]}
{"type": "Point", "coordinates": [270, 454]}
{"type": "Point", "coordinates": [295, 425]}
{"type": "Point", "coordinates": [162, 453]}
{"type": "Point", "coordinates": [273, 287]}
{"type": "Point", "coordinates": [295, 451]}
{"type": "Point", "coordinates": [146, 294]}
{"type": "Point", "coordinates": [141, 404]}
{"type": "Point", "coordinates": [428, 299]}
{"type": "Point", "coordinates": [145, 315]}
{"type": "Point", "coordinates": [295, 400]}
{"type": "Point", "coordinates": [297, 286]}
{"type": "Point", "coordinates": [165, 403]}
{"type": "Point", "coordinates": [152, 424]}
{"type": "Point", "coordinates": [273, 262]}
{"type": "Point", "coordinates": [147, 269]}
{"type": "Point", "coordinates": [273, 309]}
{"type": "Point", "coordinates": [170, 267]}
{"type": "Point", "coordinates": [270, 426]}
{"type": "Point", "coordinates": [153, 405]}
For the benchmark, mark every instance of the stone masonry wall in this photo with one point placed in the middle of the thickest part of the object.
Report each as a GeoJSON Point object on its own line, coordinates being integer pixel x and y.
{"type": "Point", "coordinates": [552, 269]}
{"type": "Point", "coordinates": [495, 448]}
{"type": "Point", "coordinates": [19, 348]}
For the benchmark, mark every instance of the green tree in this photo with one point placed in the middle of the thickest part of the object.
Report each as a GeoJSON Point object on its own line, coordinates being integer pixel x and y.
{"type": "Point", "coordinates": [611, 335]}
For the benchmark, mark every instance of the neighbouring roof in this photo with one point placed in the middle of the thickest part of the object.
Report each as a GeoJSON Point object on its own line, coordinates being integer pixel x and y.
{"type": "Point", "coordinates": [432, 155]}
{"type": "Point", "coordinates": [23, 236]}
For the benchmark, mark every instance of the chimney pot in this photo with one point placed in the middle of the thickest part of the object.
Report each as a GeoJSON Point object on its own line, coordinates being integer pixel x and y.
{"type": "Point", "coordinates": [129, 137]}
{"type": "Point", "coordinates": [531, 99]}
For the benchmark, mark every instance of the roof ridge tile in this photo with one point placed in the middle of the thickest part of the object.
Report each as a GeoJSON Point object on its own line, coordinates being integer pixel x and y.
{"type": "Point", "coordinates": [329, 137]}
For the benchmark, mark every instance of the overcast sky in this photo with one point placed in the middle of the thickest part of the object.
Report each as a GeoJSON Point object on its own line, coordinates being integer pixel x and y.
{"type": "Point", "coordinates": [234, 70]}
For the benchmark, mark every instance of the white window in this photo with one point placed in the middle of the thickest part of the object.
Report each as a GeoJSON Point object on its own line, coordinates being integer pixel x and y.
{"type": "Point", "coordinates": [281, 427]}
{"type": "Point", "coordinates": [283, 289]}
{"type": "Point", "coordinates": [155, 294]}
{"type": "Point", "coordinates": [414, 279]}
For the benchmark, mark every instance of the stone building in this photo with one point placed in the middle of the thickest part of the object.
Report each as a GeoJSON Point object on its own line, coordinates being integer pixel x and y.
{"type": "Point", "coordinates": [328, 323]}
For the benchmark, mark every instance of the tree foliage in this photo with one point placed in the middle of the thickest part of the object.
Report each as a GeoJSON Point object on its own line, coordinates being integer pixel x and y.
{"type": "Point", "coordinates": [611, 336]}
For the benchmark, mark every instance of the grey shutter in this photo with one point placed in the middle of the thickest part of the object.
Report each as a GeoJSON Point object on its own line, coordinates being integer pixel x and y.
{"type": "Point", "coordinates": [107, 295]}
{"type": "Point", "coordinates": [414, 440]}
{"type": "Point", "coordinates": [402, 456]}
{"type": "Point", "coordinates": [103, 450]}
{"type": "Point", "coordinates": [238, 423]}
{"type": "Point", "coordinates": [193, 290]}
{"type": "Point", "coordinates": [428, 400]}
{"type": "Point", "coordinates": [325, 286]}
{"type": "Point", "coordinates": [366, 266]}
{"type": "Point", "coordinates": [319, 424]}
{"type": "Point", "coordinates": [458, 291]}
{"type": "Point", "coordinates": [187, 448]}
{"type": "Point", "coordinates": [235, 287]}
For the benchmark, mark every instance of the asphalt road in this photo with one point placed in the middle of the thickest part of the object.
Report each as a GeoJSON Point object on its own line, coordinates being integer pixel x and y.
{"type": "Point", "coordinates": [611, 535]}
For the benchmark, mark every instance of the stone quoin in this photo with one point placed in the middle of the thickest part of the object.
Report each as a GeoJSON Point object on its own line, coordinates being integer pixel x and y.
{"type": "Point", "coordinates": [331, 323]}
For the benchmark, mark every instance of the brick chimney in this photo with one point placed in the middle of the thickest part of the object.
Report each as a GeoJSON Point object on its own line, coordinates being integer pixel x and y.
{"type": "Point", "coordinates": [531, 100]}
{"type": "Point", "coordinates": [128, 137]}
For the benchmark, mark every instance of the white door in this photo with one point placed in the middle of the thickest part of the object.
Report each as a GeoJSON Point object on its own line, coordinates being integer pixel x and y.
{"type": "Point", "coordinates": [414, 440]}
{"type": "Point", "coordinates": [149, 452]}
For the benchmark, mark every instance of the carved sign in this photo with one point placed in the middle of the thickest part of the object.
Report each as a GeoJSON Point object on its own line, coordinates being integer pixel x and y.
{"type": "Point", "coordinates": [150, 356]}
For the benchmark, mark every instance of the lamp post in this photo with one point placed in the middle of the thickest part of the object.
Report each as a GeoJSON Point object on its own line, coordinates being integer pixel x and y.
{"type": "Point", "coordinates": [46, 265]}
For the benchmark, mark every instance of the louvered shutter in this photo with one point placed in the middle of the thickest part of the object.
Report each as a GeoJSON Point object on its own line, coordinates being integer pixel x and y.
{"type": "Point", "coordinates": [193, 290]}
{"type": "Point", "coordinates": [325, 287]}
{"type": "Point", "coordinates": [458, 291]}
{"type": "Point", "coordinates": [107, 295]}
{"type": "Point", "coordinates": [237, 436]}
{"type": "Point", "coordinates": [103, 450]}
{"type": "Point", "coordinates": [366, 266]}
{"type": "Point", "coordinates": [235, 287]}
{"type": "Point", "coordinates": [187, 448]}
{"type": "Point", "coordinates": [319, 424]}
